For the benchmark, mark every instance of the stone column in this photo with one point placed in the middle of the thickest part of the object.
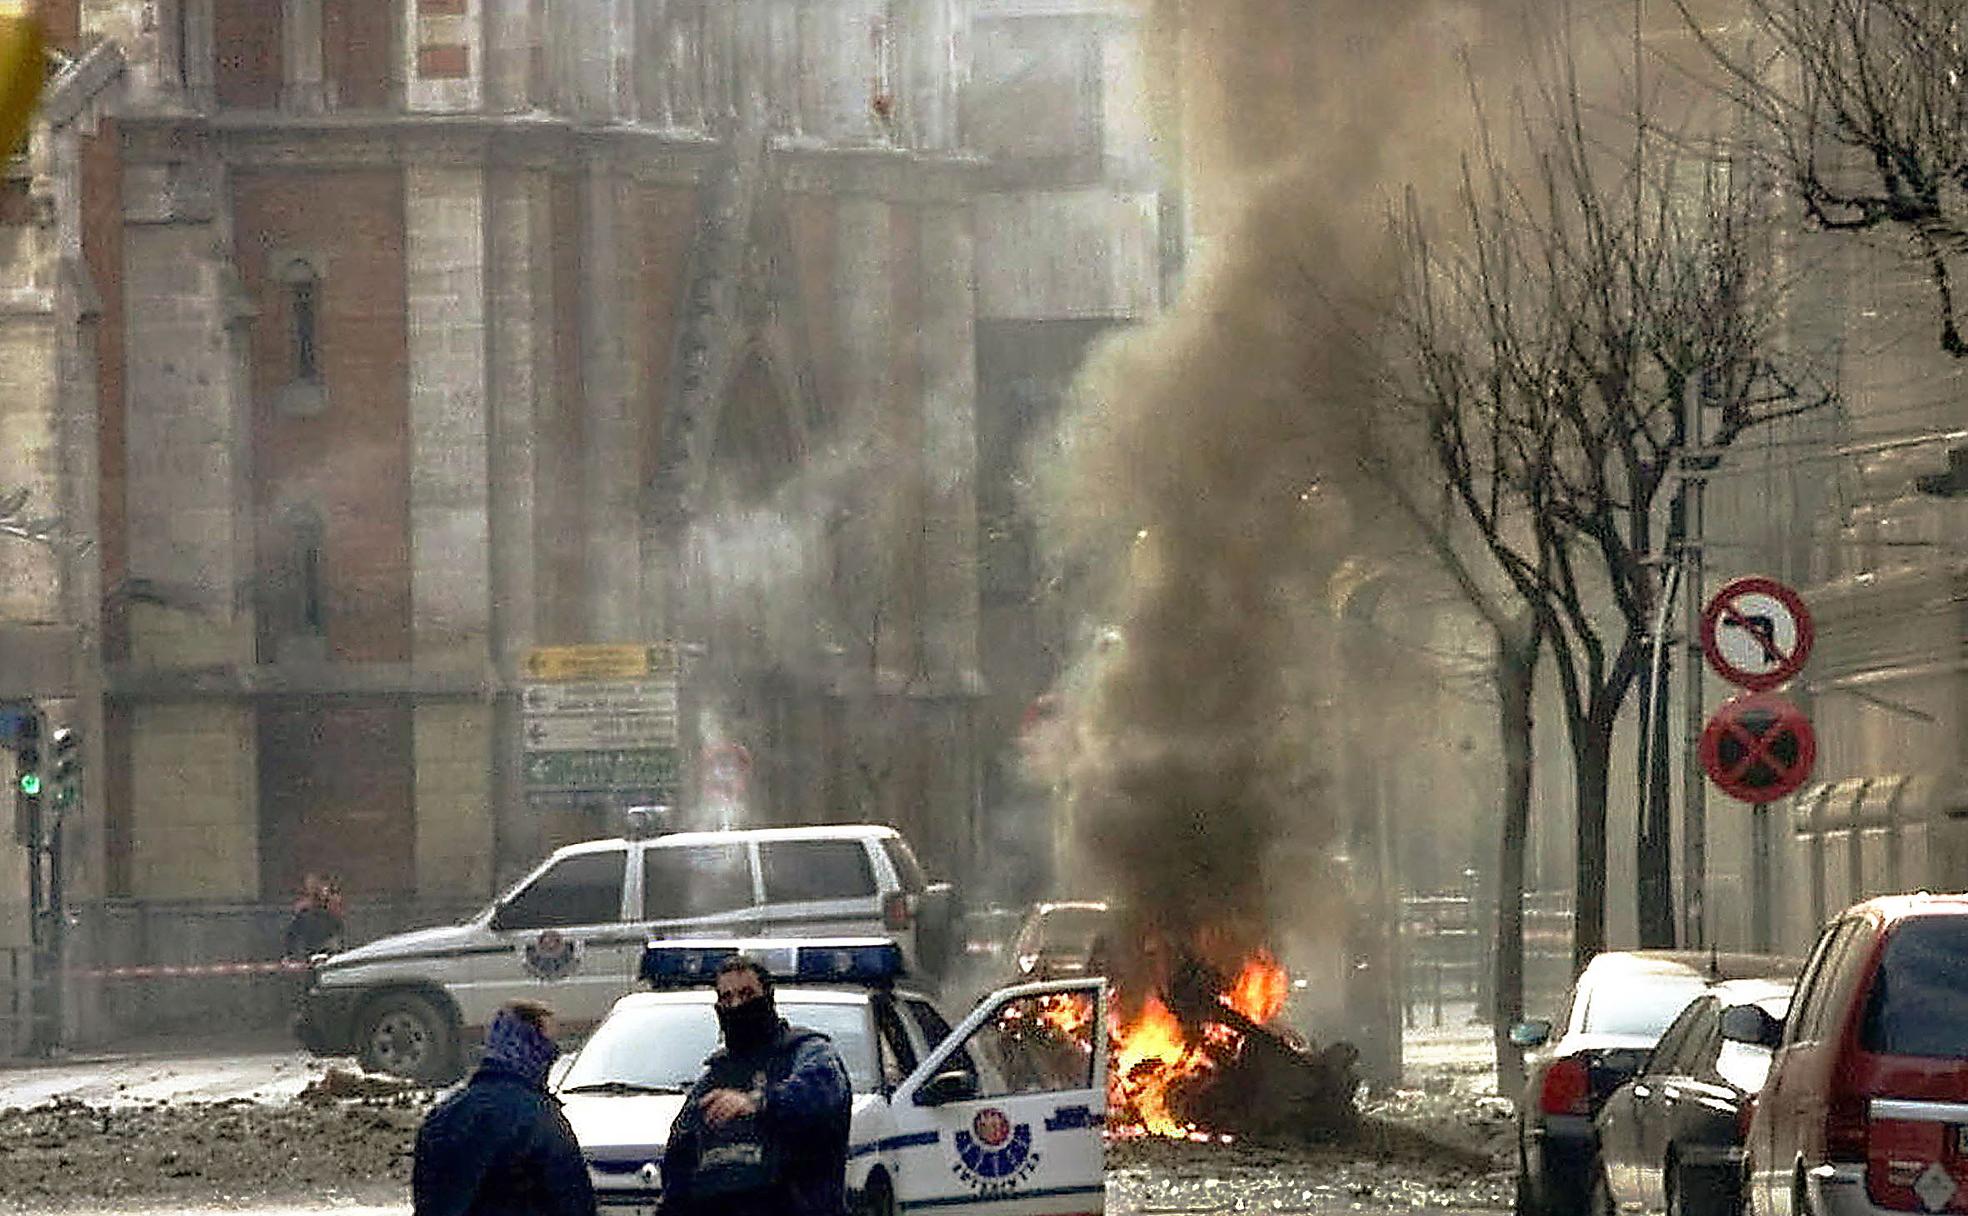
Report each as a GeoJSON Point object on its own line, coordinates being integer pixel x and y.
{"type": "Point", "coordinates": [865, 252]}
{"type": "Point", "coordinates": [450, 528]}
{"type": "Point", "coordinates": [949, 676]}
{"type": "Point", "coordinates": [188, 499]}
{"type": "Point", "coordinates": [201, 88]}
{"type": "Point", "coordinates": [515, 49]}
{"type": "Point", "coordinates": [933, 39]}
{"type": "Point", "coordinates": [614, 431]}
{"type": "Point", "coordinates": [949, 447]}
{"type": "Point", "coordinates": [444, 54]}
{"type": "Point", "coordinates": [302, 73]}
{"type": "Point", "coordinates": [520, 356]}
{"type": "Point", "coordinates": [845, 53]}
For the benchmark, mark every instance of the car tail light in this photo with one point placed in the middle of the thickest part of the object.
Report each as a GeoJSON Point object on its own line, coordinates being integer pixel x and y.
{"type": "Point", "coordinates": [1745, 1115]}
{"type": "Point", "coordinates": [1567, 1088]}
{"type": "Point", "coordinates": [1845, 1127]}
{"type": "Point", "coordinates": [896, 911]}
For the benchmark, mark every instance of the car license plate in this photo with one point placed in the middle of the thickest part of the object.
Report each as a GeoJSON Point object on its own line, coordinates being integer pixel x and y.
{"type": "Point", "coordinates": [1961, 1140]}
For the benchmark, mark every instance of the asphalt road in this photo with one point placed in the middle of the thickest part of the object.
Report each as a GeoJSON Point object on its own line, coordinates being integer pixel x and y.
{"type": "Point", "coordinates": [268, 1069]}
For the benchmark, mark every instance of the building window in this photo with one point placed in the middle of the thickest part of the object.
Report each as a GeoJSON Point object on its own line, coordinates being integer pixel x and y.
{"type": "Point", "coordinates": [294, 586]}
{"type": "Point", "coordinates": [303, 295]}
{"type": "Point", "coordinates": [309, 576]}
{"type": "Point", "coordinates": [301, 286]}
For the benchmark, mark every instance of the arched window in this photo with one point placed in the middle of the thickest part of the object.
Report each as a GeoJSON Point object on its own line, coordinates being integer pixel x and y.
{"type": "Point", "coordinates": [308, 543]}
{"type": "Point", "coordinates": [304, 319]}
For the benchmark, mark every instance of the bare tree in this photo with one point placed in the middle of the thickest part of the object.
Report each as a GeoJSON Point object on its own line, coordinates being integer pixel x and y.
{"type": "Point", "coordinates": [1517, 634]}
{"type": "Point", "coordinates": [1555, 348]}
{"type": "Point", "coordinates": [1864, 101]}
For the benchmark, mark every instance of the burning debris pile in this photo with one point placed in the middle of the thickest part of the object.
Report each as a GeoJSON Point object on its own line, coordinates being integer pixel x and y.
{"type": "Point", "coordinates": [1202, 1058]}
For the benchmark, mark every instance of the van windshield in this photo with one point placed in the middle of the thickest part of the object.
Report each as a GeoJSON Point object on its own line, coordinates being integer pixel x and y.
{"type": "Point", "coordinates": [1919, 1000]}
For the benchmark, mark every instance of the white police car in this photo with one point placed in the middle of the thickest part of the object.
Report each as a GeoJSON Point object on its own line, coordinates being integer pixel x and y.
{"type": "Point", "coordinates": [1000, 1116]}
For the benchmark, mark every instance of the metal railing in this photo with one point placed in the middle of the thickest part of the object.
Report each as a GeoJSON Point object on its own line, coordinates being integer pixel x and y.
{"type": "Point", "coordinates": [1449, 941]}
{"type": "Point", "coordinates": [16, 999]}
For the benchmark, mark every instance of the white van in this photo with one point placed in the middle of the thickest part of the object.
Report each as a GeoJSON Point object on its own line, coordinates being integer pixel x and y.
{"type": "Point", "coordinates": [572, 932]}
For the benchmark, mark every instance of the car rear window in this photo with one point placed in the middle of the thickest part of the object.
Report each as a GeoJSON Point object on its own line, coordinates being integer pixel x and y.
{"type": "Point", "coordinates": [1638, 1006]}
{"type": "Point", "coordinates": [1919, 1000]}
{"type": "Point", "coordinates": [908, 871]}
{"type": "Point", "coordinates": [797, 870]}
{"type": "Point", "coordinates": [695, 880]}
{"type": "Point", "coordinates": [1072, 928]}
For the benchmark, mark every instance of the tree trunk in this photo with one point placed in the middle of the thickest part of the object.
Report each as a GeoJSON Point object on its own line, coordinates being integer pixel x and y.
{"type": "Point", "coordinates": [1516, 671]}
{"type": "Point", "coordinates": [1592, 746]}
{"type": "Point", "coordinates": [1653, 842]}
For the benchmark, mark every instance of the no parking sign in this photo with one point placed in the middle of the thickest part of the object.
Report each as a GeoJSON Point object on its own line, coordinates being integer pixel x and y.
{"type": "Point", "coordinates": [1758, 748]}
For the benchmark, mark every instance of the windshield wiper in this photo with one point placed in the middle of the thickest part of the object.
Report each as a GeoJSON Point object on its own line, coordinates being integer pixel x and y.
{"type": "Point", "coordinates": [622, 1087]}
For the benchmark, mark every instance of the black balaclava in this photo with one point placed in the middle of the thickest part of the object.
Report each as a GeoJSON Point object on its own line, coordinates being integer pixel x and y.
{"type": "Point", "coordinates": [749, 1026]}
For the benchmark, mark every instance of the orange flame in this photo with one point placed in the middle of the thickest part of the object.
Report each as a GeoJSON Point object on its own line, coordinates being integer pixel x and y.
{"type": "Point", "coordinates": [1152, 1053]}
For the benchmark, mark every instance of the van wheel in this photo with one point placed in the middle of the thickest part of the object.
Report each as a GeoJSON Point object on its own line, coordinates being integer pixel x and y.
{"type": "Point", "coordinates": [878, 1198]}
{"type": "Point", "coordinates": [406, 1035]}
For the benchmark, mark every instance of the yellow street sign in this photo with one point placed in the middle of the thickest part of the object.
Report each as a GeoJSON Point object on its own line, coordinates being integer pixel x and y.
{"type": "Point", "coordinates": [599, 662]}
{"type": "Point", "coordinates": [23, 66]}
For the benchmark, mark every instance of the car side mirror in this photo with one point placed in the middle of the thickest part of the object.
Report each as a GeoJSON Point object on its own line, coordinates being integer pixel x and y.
{"type": "Point", "coordinates": [1751, 1024]}
{"type": "Point", "coordinates": [953, 1086]}
{"type": "Point", "coordinates": [1533, 1033]}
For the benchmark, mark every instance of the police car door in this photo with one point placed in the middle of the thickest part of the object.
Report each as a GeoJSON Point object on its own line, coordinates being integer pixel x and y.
{"type": "Point", "coordinates": [567, 939]}
{"type": "Point", "coordinates": [1003, 1117]}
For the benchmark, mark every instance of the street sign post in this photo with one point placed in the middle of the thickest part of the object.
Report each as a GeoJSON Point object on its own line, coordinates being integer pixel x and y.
{"type": "Point", "coordinates": [647, 768]}
{"type": "Point", "coordinates": [600, 721]}
{"type": "Point", "coordinates": [1756, 633]}
{"type": "Point", "coordinates": [571, 733]}
{"type": "Point", "coordinates": [606, 697]}
{"type": "Point", "coordinates": [1758, 748]}
{"type": "Point", "coordinates": [599, 662]}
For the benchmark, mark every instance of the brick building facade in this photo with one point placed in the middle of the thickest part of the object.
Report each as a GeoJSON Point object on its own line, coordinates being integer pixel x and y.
{"type": "Point", "coordinates": [376, 342]}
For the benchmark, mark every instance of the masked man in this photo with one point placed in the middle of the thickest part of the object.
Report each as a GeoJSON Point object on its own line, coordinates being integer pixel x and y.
{"type": "Point", "coordinates": [500, 1145]}
{"type": "Point", "coordinates": [764, 1130]}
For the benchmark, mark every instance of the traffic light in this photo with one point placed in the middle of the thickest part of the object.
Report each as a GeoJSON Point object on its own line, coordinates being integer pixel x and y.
{"type": "Point", "coordinates": [65, 767]}
{"type": "Point", "coordinates": [27, 780]}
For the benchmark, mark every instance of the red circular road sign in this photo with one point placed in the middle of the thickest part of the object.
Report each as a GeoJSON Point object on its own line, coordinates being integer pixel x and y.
{"type": "Point", "coordinates": [1756, 633]}
{"type": "Point", "coordinates": [1758, 748]}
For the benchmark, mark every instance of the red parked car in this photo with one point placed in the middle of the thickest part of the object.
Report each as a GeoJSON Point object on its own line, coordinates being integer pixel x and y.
{"type": "Point", "coordinates": [1866, 1107]}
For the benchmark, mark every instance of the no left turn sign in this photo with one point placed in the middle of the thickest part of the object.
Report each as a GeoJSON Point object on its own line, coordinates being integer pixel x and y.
{"type": "Point", "coordinates": [1756, 633]}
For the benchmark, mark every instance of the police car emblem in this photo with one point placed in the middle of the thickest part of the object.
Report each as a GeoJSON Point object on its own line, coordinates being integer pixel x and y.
{"type": "Point", "coordinates": [551, 956]}
{"type": "Point", "coordinates": [995, 1155]}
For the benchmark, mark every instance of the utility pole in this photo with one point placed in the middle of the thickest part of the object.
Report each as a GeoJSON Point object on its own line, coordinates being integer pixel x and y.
{"type": "Point", "coordinates": [1696, 463]}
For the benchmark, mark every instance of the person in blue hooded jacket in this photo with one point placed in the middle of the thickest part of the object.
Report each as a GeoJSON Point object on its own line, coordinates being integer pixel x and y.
{"type": "Point", "coordinates": [764, 1131]}
{"type": "Point", "coordinates": [500, 1146]}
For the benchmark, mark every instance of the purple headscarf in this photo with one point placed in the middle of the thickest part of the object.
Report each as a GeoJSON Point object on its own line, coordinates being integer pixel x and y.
{"type": "Point", "coordinates": [516, 1044]}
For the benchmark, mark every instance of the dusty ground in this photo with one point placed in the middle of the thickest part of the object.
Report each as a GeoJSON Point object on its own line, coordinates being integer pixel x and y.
{"type": "Point", "coordinates": [334, 1137]}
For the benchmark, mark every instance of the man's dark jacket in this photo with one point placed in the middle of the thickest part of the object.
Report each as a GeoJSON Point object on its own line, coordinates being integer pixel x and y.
{"type": "Point", "coordinates": [499, 1147]}
{"type": "Point", "coordinates": [803, 1121]}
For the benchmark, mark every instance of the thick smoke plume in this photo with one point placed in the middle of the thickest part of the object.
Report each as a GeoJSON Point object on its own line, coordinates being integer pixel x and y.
{"type": "Point", "coordinates": [1210, 449]}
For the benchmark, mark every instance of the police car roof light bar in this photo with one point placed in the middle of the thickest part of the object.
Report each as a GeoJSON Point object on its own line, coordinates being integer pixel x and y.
{"type": "Point", "coordinates": [860, 960]}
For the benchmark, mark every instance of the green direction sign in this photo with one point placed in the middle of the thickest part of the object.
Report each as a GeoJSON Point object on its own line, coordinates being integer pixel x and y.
{"type": "Point", "coordinates": [619, 768]}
